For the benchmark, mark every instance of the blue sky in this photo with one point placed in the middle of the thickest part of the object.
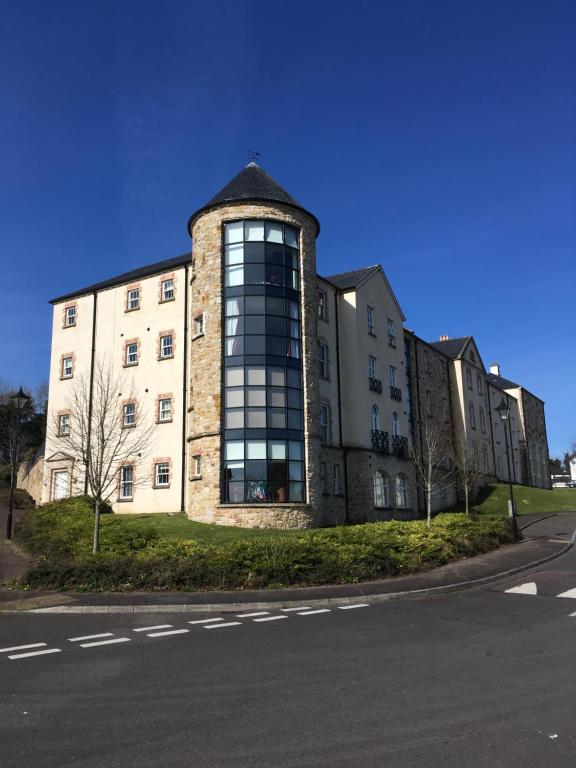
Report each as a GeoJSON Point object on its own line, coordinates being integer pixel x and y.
{"type": "Point", "coordinates": [438, 139]}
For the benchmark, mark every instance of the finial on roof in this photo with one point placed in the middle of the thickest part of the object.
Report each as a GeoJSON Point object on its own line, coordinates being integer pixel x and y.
{"type": "Point", "coordinates": [252, 157]}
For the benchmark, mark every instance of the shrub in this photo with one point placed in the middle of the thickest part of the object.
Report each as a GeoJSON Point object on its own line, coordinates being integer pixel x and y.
{"type": "Point", "coordinates": [136, 559]}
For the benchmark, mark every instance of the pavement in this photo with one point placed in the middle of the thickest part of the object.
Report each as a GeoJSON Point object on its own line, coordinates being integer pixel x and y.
{"type": "Point", "coordinates": [545, 537]}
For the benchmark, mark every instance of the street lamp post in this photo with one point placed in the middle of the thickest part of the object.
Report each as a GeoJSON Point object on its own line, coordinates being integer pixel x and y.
{"type": "Point", "coordinates": [19, 399]}
{"type": "Point", "coordinates": [504, 413]}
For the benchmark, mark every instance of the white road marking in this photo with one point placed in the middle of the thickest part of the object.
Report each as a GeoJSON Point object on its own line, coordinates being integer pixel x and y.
{"type": "Point", "coordinates": [90, 637]}
{"type": "Point", "coordinates": [301, 608]}
{"type": "Point", "coordinates": [227, 624]}
{"type": "Point", "coordinates": [106, 642]}
{"type": "Point", "coordinates": [251, 615]}
{"type": "Point", "coordinates": [149, 629]}
{"type": "Point", "coordinates": [572, 614]}
{"type": "Point", "coordinates": [34, 653]}
{"type": "Point", "coordinates": [204, 621]}
{"type": "Point", "coordinates": [22, 647]}
{"type": "Point", "coordinates": [356, 605]}
{"type": "Point", "coordinates": [272, 618]}
{"type": "Point", "coordinates": [524, 589]}
{"type": "Point", "coordinates": [569, 593]}
{"type": "Point", "coordinates": [170, 632]}
{"type": "Point", "coordinates": [311, 613]}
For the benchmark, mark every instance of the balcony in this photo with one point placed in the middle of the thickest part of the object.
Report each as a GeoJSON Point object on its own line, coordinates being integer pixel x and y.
{"type": "Point", "coordinates": [380, 441]}
{"type": "Point", "coordinates": [395, 393]}
{"type": "Point", "coordinates": [375, 385]}
{"type": "Point", "coordinates": [400, 446]}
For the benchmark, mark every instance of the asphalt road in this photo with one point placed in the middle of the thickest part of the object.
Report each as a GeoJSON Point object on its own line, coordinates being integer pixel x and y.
{"type": "Point", "coordinates": [483, 678]}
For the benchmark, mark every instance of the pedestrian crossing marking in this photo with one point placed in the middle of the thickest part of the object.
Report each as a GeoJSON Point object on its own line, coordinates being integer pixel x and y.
{"type": "Point", "coordinates": [524, 589]}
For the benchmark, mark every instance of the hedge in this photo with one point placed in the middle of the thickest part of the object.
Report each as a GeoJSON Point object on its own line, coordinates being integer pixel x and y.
{"type": "Point", "coordinates": [60, 538]}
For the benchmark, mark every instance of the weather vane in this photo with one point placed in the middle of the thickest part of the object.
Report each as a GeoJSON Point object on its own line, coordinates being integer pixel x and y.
{"type": "Point", "coordinates": [253, 155]}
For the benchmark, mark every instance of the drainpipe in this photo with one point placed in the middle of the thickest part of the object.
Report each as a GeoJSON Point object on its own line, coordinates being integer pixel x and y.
{"type": "Point", "coordinates": [341, 441]}
{"type": "Point", "coordinates": [90, 394]}
{"type": "Point", "coordinates": [184, 392]}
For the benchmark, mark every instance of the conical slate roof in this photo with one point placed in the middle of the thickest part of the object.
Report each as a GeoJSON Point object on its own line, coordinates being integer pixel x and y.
{"type": "Point", "coordinates": [251, 184]}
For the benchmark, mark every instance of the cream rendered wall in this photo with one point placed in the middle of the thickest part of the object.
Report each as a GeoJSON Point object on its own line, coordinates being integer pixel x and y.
{"type": "Point", "coordinates": [147, 380]}
{"type": "Point", "coordinates": [150, 378]}
{"type": "Point", "coordinates": [75, 340]}
{"type": "Point", "coordinates": [356, 344]}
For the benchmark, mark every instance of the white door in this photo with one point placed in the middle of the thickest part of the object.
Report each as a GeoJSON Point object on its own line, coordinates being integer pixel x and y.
{"type": "Point", "coordinates": [60, 484]}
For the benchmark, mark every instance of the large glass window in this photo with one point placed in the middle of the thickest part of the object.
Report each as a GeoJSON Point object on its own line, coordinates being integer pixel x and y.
{"type": "Point", "coordinates": [263, 457]}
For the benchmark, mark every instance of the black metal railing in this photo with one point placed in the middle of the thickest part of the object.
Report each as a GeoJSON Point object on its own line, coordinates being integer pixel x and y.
{"type": "Point", "coordinates": [395, 393]}
{"type": "Point", "coordinates": [400, 446]}
{"type": "Point", "coordinates": [380, 441]}
{"type": "Point", "coordinates": [374, 384]}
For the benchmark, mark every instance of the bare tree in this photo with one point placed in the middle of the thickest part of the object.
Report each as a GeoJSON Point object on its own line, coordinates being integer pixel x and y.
{"type": "Point", "coordinates": [466, 469]}
{"type": "Point", "coordinates": [100, 437]}
{"type": "Point", "coordinates": [431, 457]}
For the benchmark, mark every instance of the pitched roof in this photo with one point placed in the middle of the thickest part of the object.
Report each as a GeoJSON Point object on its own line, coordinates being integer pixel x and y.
{"type": "Point", "coordinates": [501, 383]}
{"type": "Point", "coordinates": [345, 281]}
{"type": "Point", "coordinates": [451, 347]}
{"type": "Point", "coordinates": [252, 183]}
{"type": "Point", "coordinates": [129, 277]}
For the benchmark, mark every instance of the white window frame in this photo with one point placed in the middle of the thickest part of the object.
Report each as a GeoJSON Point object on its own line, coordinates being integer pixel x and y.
{"type": "Point", "coordinates": [162, 472]}
{"type": "Point", "coordinates": [129, 415]}
{"type": "Point", "coordinates": [395, 432]}
{"type": "Point", "coordinates": [197, 459]}
{"type": "Point", "coordinates": [126, 483]}
{"type": "Point", "coordinates": [132, 356]}
{"type": "Point", "coordinates": [199, 325]}
{"type": "Point", "coordinates": [64, 424]}
{"type": "Point", "coordinates": [381, 489]}
{"type": "Point", "coordinates": [392, 375]}
{"type": "Point", "coordinates": [391, 332]}
{"type": "Point", "coordinates": [374, 418]}
{"type": "Point", "coordinates": [67, 370]}
{"type": "Point", "coordinates": [167, 289]}
{"type": "Point", "coordinates": [133, 299]}
{"type": "Point", "coordinates": [163, 410]}
{"type": "Point", "coordinates": [70, 316]}
{"type": "Point", "coordinates": [370, 319]}
{"type": "Point", "coordinates": [401, 489]}
{"type": "Point", "coordinates": [165, 346]}
{"type": "Point", "coordinates": [322, 304]}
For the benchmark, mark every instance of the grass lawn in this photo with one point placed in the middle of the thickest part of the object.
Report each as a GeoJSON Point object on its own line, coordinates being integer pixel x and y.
{"type": "Point", "coordinates": [180, 527]}
{"type": "Point", "coordinates": [493, 500]}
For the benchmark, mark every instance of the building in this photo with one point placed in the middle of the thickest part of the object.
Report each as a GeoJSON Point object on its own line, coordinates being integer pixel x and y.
{"type": "Point", "coordinates": [278, 397]}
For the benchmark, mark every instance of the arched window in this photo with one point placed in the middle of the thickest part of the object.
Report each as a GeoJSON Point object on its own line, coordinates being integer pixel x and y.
{"type": "Point", "coordinates": [380, 489]}
{"type": "Point", "coordinates": [401, 491]}
{"type": "Point", "coordinates": [395, 423]}
{"type": "Point", "coordinates": [374, 418]}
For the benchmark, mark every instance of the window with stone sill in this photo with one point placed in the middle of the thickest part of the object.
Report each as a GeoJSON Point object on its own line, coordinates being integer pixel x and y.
{"type": "Point", "coordinates": [133, 299]}
{"type": "Point", "coordinates": [70, 317]}
{"type": "Point", "coordinates": [199, 325]}
{"type": "Point", "coordinates": [166, 346]}
{"type": "Point", "coordinates": [322, 360]}
{"type": "Point", "coordinates": [401, 491]}
{"type": "Point", "coordinates": [381, 489]}
{"type": "Point", "coordinates": [129, 415]}
{"type": "Point", "coordinates": [126, 483]}
{"type": "Point", "coordinates": [197, 465]}
{"type": "Point", "coordinates": [165, 409]}
{"type": "Point", "coordinates": [64, 424]}
{"type": "Point", "coordinates": [67, 367]}
{"type": "Point", "coordinates": [391, 333]}
{"type": "Point", "coordinates": [322, 305]}
{"type": "Point", "coordinates": [167, 289]}
{"type": "Point", "coordinates": [324, 423]}
{"type": "Point", "coordinates": [131, 354]}
{"type": "Point", "coordinates": [162, 475]}
{"type": "Point", "coordinates": [370, 320]}
{"type": "Point", "coordinates": [371, 367]}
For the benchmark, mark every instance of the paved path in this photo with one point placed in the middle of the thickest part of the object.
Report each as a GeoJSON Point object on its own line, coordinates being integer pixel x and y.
{"type": "Point", "coordinates": [13, 561]}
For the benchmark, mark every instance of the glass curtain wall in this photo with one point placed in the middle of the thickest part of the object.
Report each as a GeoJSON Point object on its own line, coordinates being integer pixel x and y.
{"type": "Point", "coordinates": [263, 447]}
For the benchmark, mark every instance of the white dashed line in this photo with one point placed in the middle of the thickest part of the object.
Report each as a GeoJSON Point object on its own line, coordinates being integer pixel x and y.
{"type": "Point", "coordinates": [22, 647]}
{"type": "Point", "coordinates": [252, 615]}
{"type": "Point", "coordinates": [149, 629]}
{"type": "Point", "coordinates": [272, 618]}
{"type": "Point", "coordinates": [356, 605]}
{"type": "Point", "coordinates": [572, 614]}
{"type": "Point", "coordinates": [106, 642]}
{"type": "Point", "coordinates": [569, 593]}
{"type": "Point", "coordinates": [301, 608]}
{"type": "Point", "coordinates": [34, 653]}
{"type": "Point", "coordinates": [90, 637]}
{"type": "Point", "coordinates": [204, 621]}
{"type": "Point", "coordinates": [311, 613]}
{"type": "Point", "coordinates": [170, 632]}
{"type": "Point", "coordinates": [529, 588]}
{"type": "Point", "coordinates": [220, 626]}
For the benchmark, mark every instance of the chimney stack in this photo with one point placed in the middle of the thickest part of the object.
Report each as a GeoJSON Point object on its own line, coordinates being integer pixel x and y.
{"type": "Point", "coordinates": [495, 369]}
{"type": "Point", "coordinates": [444, 338]}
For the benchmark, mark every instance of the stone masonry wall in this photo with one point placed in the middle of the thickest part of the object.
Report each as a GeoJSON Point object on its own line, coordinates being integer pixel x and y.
{"type": "Point", "coordinates": [204, 426]}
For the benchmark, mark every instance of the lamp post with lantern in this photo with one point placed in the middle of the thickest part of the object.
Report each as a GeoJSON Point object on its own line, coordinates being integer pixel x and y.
{"type": "Point", "coordinates": [20, 399]}
{"type": "Point", "coordinates": [504, 413]}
